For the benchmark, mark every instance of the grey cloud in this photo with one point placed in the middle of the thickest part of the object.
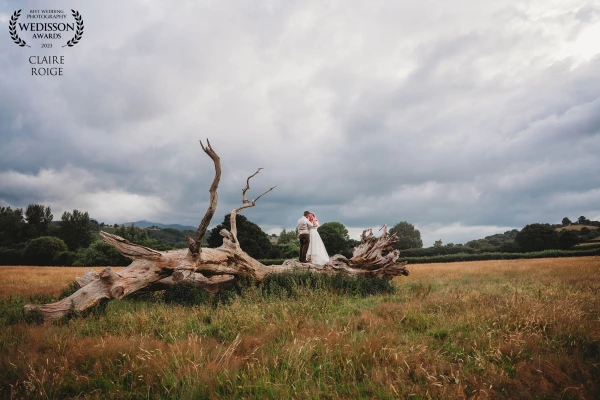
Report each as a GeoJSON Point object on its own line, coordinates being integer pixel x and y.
{"type": "Point", "coordinates": [453, 117]}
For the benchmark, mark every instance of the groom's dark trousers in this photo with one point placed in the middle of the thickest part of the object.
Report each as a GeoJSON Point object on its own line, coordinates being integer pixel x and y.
{"type": "Point", "coordinates": [304, 242]}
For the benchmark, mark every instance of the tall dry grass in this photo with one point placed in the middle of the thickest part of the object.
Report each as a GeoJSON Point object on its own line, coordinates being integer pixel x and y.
{"type": "Point", "coordinates": [493, 329]}
{"type": "Point", "coordinates": [28, 281]}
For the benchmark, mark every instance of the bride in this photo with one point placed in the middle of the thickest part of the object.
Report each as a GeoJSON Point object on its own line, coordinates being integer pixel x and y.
{"type": "Point", "coordinates": [316, 254]}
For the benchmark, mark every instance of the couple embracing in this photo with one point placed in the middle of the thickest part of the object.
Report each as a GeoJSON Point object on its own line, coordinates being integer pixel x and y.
{"type": "Point", "coordinates": [312, 248]}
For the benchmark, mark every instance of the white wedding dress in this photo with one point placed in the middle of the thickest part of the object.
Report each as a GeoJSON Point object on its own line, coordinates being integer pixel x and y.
{"type": "Point", "coordinates": [316, 249]}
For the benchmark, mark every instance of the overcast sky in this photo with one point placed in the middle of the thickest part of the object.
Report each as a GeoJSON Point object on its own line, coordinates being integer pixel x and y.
{"type": "Point", "coordinates": [466, 118]}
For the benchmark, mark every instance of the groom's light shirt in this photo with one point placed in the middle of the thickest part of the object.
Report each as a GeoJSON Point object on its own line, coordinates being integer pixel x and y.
{"type": "Point", "coordinates": [304, 226]}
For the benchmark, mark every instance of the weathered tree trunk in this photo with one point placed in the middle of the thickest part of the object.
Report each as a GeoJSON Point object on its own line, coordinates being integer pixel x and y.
{"type": "Point", "coordinates": [195, 246]}
{"type": "Point", "coordinates": [213, 269]}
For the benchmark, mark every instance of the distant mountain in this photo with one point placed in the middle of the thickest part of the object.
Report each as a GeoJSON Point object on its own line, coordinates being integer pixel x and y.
{"type": "Point", "coordinates": [147, 224]}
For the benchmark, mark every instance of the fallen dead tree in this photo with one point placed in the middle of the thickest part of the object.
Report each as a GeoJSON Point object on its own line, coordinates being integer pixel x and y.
{"type": "Point", "coordinates": [213, 269]}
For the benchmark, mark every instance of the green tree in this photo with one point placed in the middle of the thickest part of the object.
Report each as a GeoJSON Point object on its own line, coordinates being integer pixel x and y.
{"type": "Point", "coordinates": [288, 245]}
{"type": "Point", "coordinates": [474, 244]}
{"type": "Point", "coordinates": [38, 218]}
{"type": "Point", "coordinates": [537, 237]}
{"type": "Point", "coordinates": [437, 243]}
{"type": "Point", "coordinates": [121, 231]}
{"type": "Point", "coordinates": [583, 220]}
{"type": "Point", "coordinates": [140, 236]}
{"type": "Point", "coordinates": [337, 227]}
{"type": "Point", "coordinates": [566, 221]}
{"type": "Point", "coordinates": [410, 238]}
{"type": "Point", "coordinates": [65, 258]}
{"type": "Point", "coordinates": [12, 255]}
{"type": "Point", "coordinates": [286, 250]}
{"type": "Point", "coordinates": [170, 237]}
{"type": "Point", "coordinates": [43, 250]}
{"type": "Point", "coordinates": [568, 239]}
{"type": "Point", "coordinates": [335, 237]}
{"type": "Point", "coordinates": [11, 226]}
{"type": "Point", "coordinates": [252, 239]}
{"type": "Point", "coordinates": [100, 254]}
{"type": "Point", "coordinates": [94, 225]}
{"type": "Point", "coordinates": [510, 235]}
{"type": "Point", "coordinates": [75, 229]}
{"type": "Point", "coordinates": [287, 237]}
{"type": "Point", "coordinates": [509, 247]}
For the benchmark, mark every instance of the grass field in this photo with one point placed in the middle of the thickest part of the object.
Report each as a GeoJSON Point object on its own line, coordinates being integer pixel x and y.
{"type": "Point", "coordinates": [519, 329]}
{"type": "Point", "coordinates": [576, 227]}
{"type": "Point", "coordinates": [593, 242]}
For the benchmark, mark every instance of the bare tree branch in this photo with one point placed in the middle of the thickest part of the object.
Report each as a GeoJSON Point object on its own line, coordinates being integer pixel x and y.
{"type": "Point", "coordinates": [196, 245]}
{"type": "Point", "coordinates": [244, 200]}
{"type": "Point", "coordinates": [246, 204]}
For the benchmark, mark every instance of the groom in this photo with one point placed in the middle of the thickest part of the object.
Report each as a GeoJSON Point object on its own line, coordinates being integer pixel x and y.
{"type": "Point", "coordinates": [304, 226]}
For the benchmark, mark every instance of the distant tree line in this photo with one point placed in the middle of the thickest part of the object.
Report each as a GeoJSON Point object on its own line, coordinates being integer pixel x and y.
{"type": "Point", "coordinates": [31, 237]}
{"type": "Point", "coordinates": [532, 238]}
{"type": "Point", "coordinates": [157, 238]}
{"type": "Point", "coordinates": [582, 220]}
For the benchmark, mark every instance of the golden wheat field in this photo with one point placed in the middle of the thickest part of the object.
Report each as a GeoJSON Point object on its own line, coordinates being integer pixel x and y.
{"type": "Point", "coordinates": [576, 227]}
{"type": "Point", "coordinates": [27, 281]}
{"type": "Point", "coordinates": [518, 329]}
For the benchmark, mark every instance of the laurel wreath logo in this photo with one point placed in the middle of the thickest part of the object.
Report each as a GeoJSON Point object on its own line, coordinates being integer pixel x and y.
{"type": "Point", "coordinates": [78, 32]}
{"type": "Point", "coordinates": [12, 28]}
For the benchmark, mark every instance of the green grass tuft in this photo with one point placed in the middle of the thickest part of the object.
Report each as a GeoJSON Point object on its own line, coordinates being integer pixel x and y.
{"type": "Point", "coordinates": [287, 284]}
{"type": "Point", "coordinates": [187, 294]}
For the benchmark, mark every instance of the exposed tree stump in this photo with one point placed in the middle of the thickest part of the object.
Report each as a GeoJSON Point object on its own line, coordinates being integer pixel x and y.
{"type": "Point", "coordinates": [213, 269]}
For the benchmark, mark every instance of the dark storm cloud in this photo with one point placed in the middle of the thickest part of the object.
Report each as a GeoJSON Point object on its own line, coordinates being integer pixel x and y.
{"type": "Point", "coordinates": [466, 119]}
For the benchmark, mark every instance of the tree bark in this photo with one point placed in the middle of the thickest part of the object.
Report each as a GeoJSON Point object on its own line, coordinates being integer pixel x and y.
{"type": "Point", "coordinates": [195, 246]}
{"type": "Point", "coordinates": [213, 269]}
{"type": "Point", "coordinates": [232, 236]}
{"type": "Point", "coordinates": [217, 268]}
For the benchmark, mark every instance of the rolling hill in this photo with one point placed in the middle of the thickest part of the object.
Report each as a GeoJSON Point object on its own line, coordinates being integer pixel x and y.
{"type": "Point", "coordinates": [147, 224]}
